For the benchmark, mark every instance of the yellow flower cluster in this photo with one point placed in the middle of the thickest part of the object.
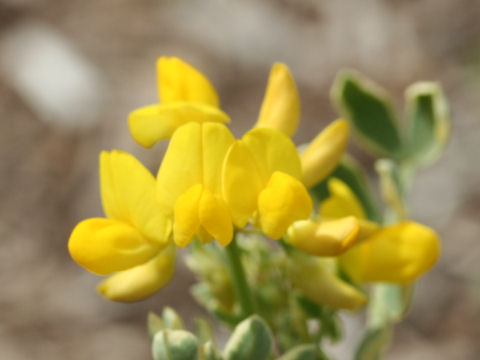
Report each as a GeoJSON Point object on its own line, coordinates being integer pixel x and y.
{"type": "Point", "coordinates": [210, 184]}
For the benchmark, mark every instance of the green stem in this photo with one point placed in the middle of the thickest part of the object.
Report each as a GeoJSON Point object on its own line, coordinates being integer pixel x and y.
{"type": "Point", "coordinates": [239, 280]}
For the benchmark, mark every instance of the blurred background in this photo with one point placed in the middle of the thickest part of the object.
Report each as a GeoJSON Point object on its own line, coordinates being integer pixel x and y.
{"type": "Point", "coordinates": [70, 72]}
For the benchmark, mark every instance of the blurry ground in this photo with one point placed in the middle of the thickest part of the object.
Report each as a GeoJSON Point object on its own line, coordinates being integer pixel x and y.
{"type": "Point", "coordinates": [70, 71]}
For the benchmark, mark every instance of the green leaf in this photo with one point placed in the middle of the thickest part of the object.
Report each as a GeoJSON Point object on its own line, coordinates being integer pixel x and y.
{"type": "Point", "coordinates": [301, 352]}
{"type": "Point", "coordinates": [251, 339]}
{"type": "Point", "coordinates": [428, 119]}
{"type": "Point", "coordinates": [354, 175]}
{"type": "Point", "coordinates": [175, 345]}
{"type": "Point", "coordinates": [171, 319]}
{"type": "Point", "coordinates": [369, 110]}
{"type": "Point", "coordinates": [154, 324]}
{"type": "Point", "coordinates": [373, 344]}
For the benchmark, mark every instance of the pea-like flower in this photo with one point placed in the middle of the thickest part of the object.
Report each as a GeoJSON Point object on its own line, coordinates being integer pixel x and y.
{"type": "Point", "coordinates": [189, 183]}
{"type": "Point", "coordinates": [397, 253]}
{"type": "Point", "coordinates": [261, 182]}
{"type": "Point", "coordinates": [185, 95]}
{"type": "Point", "coordinates": [132, 242]}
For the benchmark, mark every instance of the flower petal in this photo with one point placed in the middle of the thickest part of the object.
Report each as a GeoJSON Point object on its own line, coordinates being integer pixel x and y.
{"type": "Point", "coordinates": [325, 238]}
{"type": "Point", "coordinates": [281, 105]}
{"type": "Point", "coordinates": [283, 201]}
{"type": "Point", "coordinates": [195, 156]}
{"type": "Point", "coordinates": [187, 221]}
{"type": "Point", "coordinates": [315, 279]}
{"type": "Point", "coordinates": [341, 202]}
{"type": "Point", "coordinates": [216, 140]}
{"type": "Point", "coordinates": [241, 183]}
{"type": "Point", "coordinates": [141, 281]}
{"type": "Point", "coordinates": [128, 195]}
{"type": "Point", "coordinates": [398, 253]}
{"type": "Point", "coordinates": [179, 81]}
{"type": "Point", "coordinates": [104, 246]}
{"type": "Point", "coordinates": [181, 166]}
{"type": "Point", "coordinates": [323, 154]}
{"type": "Point", "coordinates": [273, 151]}
{"type": "Point", "coordinates": [153, 123]}
{"type": "Point", "coordinates": [215, 218]}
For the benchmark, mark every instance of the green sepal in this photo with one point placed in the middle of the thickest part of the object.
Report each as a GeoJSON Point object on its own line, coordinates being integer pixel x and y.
{"type": "Point", "coordinates": [154, 324]}
{"type": "Point", "coordinates": [251, 339]}
{"type": "Point", "coordinates": [373, 343]}
{"type": "Point", "coordinates": [171, 319]}
{"type": "Point", "coordinates": [354, 175]}
{"type": "Point", "coordinates": [209, 352]}
{"type": "Point", "coordinates": [203, 329]}
{"type": "Point", "coordinates": [428, 119]}
{"type": "Point", "coordinates": [301, 352]}
{"type": "Point", "coordinates": [175, 345]}
{"type": "Point", "coordinates": [388, 304]}
{"type": "Point", "coordinates": [369, 110]}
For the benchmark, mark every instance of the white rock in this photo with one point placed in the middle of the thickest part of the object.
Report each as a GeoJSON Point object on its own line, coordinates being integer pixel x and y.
{"type": "Point", "coordinates": [51, 75]}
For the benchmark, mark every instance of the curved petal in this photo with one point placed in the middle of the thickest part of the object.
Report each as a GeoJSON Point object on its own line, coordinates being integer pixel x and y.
{"type": "Point", "coordinates": [104, 246]}
{"type": "Point", "coordinates": [241, 183]}
{"type": "Point", "coordinates": [325, 238]}
{"type": "Point", "coordinates": [141, 281]}
{"type": "Point", "coordinates": [216, 140]}
{"type": "Point", "coordinates": [273, 151]}
{"type": "Point", "coordinates": [181, 167]}
{"type": "Point", "coordinates": [179, 81]}
{"type": "Point", "coordinates": [398, 253]}
{"type": "Point", "coordinates": [283, 201]}
{"type": "Point", "coordinates": [313, 277]}
{"type": "Point", "coordinates": [128, 195]}
{"type": "Point", "coordinates": [215, 218]}
{"type": "Point", "coordinates": [341, 202]}
{"type": "Point", "coordinates": [187, 220]}
{"type": "Point", "coordinates": [281, 105]}
{"type": "Point", "coordinates": [153, 123]}
{"type": "Point", "coordinates": [323, 154]}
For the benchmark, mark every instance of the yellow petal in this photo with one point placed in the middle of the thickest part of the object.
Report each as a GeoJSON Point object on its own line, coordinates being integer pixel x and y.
{"type": "Point", "coordinates": [141, 281]}
{"type": "Point", "coordinates": [187, 220]}
{"type": "Point", "coordinates": [215, 218]}
{"type": "Point", "coordinates": [323, 154]}
{"type": "Point", "coordinates": [341, 202]}
{"type": "Point", "coordinates": [104, 246]}
{"type": "Point", "coordinates": [273, 151]}
{"type": "Point", "coordinates": [241, 183]}
{"type": "Point", "coordinates": [398, 253]}
{"type": "Point", "coordinates": [315, 279]}
{"type": "Point", "coordinates": [181, 167]}
{"type": "Point", "coordinates": [158, 122]}
{"type": "Point", "coordinates": [283, 201]}
{"type": "Point", "coordinates": [281, 106]}
{"type": "Point", "coordinates": [195, 156]}
{"type": "Point", "coordinates": [128, 195]}
{"type": "Point", "coordinates": [325, 238]}
{"type": "Point", "coordinates": [216, 140]}
{"type": "Point", "coordinates": [179, 81]}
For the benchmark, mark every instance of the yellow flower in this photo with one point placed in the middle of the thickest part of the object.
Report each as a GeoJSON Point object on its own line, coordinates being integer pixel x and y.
{"type": "Point", "coordinates": [281, 105]}
{"type": "Point", "coordinates": [324, 238]}
{"type": "Point", "coordinates": [261, 181]}
{"type": "Point", "coordinates": [189, 183]}
{"type": "Point", "coordinates": [185, 95]}
{"type": "Point", "coordinates": [324, 153]}
{"type": "Point", "coordinates": [397, 253]}
{"type": "Point", "coordinates": [134, 236]}
{"type": "Point", "coordinates": [316, 278]}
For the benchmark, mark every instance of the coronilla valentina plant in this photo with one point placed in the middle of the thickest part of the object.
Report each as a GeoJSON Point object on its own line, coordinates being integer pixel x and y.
{"type": "Point", "coordinates": [280, 240]}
